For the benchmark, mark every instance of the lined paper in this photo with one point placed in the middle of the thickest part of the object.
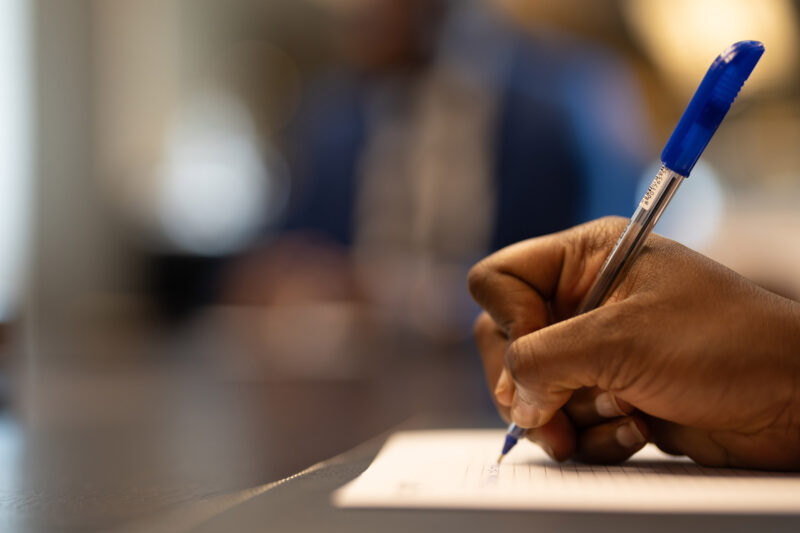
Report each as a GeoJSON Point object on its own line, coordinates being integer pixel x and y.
{"type": "Point", "coordinates": [458, 469]}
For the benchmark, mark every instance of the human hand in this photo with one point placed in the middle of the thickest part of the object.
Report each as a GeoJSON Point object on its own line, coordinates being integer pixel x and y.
{"type": "Point", "coordinates": [684, 352]}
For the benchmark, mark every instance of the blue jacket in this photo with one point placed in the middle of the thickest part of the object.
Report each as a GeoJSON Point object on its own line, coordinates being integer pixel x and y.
{"type": "Point", "coordinates": [565, 145]}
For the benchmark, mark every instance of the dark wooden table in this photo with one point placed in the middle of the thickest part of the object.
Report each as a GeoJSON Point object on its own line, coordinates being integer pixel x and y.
{"type": "Point", "coordinates": [302, 503]}
{"type": "Point", "coordinates": [168, 430]}
{"type": "Point", "coordinates": [197, 432]}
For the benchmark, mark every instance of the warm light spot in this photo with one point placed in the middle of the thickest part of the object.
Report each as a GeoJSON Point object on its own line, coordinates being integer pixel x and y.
{"type": "Point", "coordinates": [683, 37]}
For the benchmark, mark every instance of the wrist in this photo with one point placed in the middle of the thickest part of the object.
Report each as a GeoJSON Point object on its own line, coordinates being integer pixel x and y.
{"type": "Point", "coordinates": [783, 339]}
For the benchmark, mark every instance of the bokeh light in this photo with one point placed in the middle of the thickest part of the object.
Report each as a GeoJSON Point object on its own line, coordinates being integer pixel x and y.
{"type": "Point", "coordinates": [217, 189]}
{"type": "Point", "coordinates": [682, 37]}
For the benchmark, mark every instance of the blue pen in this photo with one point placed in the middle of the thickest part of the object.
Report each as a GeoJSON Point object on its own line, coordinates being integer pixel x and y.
{"type": "Point", "coordinates": [702, 117]}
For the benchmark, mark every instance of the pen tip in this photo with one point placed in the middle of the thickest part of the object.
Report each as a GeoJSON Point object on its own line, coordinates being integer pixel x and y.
{"type": "Point", "coordinates": [500, 458]}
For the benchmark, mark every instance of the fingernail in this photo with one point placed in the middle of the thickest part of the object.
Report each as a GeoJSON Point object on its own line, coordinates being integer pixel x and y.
{"type": "Point", "coordinates": [607, 406]}
{"type": "Point", "coordinates": [630, 436]}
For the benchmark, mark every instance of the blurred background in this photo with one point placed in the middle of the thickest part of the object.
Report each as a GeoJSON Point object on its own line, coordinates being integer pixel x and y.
{"type": "Point", "coordinates": [234, 234]}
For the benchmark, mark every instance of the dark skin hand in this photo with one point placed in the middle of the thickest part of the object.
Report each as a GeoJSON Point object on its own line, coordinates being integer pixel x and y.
{"type": "Point", "coordinates": [684, 353]}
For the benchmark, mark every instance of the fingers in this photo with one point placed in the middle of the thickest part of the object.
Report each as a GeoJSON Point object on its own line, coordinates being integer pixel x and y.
{"type": "Point", "coordinates": [590, 350]}
{"type": "Point", "coordinates": [557, 438]}
{"type": "Point", "coordinates": [521, 285]}
{"type": "Point", "coordinates": [700, 445]}
{"type": "Point", "coordinates": [492, 344]}
{"type": "Point", "coordinates": [612, 442]}
{"type": "Point", "coordinates": [607, 441]}
{"type": "Point", "coordinates": [504, 390]}
{"type": "Point", "coordinates": [589, 407]}
{"type": "Point", "coordinates": [600, 440]}
{"type": "Point", "coordinates": [726, 449]}
{"type": "Point", "coordinates": [606, 431]}
{"type": "Point", "coordinates": [534, 368]}
{"type": "Point", "coordinates": [594, 427]}
{"type": "Point", "coordinates": [515, 302]}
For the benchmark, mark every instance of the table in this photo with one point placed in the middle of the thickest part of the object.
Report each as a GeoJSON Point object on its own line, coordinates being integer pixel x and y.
{"type": "Point", "coordinates": [302, 503]}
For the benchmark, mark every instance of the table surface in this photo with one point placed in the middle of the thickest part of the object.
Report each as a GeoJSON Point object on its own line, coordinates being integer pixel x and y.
{"type": "Point", "coordinates": [201, 434]}
{"type": "Point", "coordinates": [87, 481]}
{"type": "Point", "coordinates": [302, 503]}
{"type": "Point", "coordinates": [163, 440]}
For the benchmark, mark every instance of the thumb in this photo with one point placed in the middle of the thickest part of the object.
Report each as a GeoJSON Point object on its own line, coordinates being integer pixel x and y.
{"type": "Point", "coordinates": [589, 350]}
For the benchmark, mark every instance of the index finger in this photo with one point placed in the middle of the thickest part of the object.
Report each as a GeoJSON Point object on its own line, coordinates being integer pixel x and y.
{"type": "Point", "coordinates": [534, 283]}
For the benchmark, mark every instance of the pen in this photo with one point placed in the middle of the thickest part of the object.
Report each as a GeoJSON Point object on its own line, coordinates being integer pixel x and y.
{"type": "Point", "coordinates": [702, 117]}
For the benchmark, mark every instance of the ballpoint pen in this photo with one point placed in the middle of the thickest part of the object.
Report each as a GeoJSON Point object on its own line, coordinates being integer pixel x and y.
{"type": "Point", "coordinates": [703, 115]}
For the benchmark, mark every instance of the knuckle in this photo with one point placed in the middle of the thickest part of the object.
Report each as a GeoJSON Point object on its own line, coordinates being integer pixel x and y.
{"type": "Point", "coordinates": [479, 279]}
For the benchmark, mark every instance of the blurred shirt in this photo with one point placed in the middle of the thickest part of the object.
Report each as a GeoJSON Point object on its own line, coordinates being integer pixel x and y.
{"type": "Point", "coordinates": [504, 136]}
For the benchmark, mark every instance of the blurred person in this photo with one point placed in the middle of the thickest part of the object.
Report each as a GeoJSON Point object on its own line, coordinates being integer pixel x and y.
{"type": "Point", "coordinates": [447, 133]}
{"type": "Point", "coordinates": [684, 353]}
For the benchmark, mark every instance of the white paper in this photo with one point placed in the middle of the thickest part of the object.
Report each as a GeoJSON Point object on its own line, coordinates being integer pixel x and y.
{"type": "Point", "coordinates": [458, 469]}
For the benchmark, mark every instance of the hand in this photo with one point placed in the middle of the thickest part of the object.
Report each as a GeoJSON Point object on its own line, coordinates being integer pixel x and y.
{"type": "Point", "coordinates": [684, 352]}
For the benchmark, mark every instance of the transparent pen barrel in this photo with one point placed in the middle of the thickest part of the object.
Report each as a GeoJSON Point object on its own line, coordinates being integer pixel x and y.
{"type": "Point", "coordinates": [630, 243]}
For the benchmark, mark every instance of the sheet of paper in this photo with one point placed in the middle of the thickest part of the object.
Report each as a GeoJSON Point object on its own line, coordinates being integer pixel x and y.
{"type": "Point", "coordinates": [458, 469]}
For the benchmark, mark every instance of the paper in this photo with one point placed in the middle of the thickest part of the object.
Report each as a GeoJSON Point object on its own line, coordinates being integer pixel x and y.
{"type": "Point", "coordinates": [458, 469]}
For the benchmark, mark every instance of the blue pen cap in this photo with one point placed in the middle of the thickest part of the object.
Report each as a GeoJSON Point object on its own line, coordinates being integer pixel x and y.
{"type": "Point", "coordinates": [709, 105]}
